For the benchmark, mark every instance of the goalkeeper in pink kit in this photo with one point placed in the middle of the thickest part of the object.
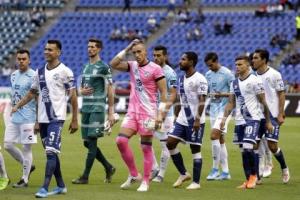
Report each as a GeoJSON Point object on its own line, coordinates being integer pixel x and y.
{"type": "Point", "coordinates": [146, 80]}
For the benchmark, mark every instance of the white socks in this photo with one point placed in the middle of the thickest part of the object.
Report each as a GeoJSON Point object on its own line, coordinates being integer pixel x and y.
{"type": "Point", "coordinates": [164, 158]}
{"type": "Point", "coordinates": [216, 150]}
{"type": "Point", "coordinates": [224, 158]}
{"type": "Point", "coordinates": [27, 161]}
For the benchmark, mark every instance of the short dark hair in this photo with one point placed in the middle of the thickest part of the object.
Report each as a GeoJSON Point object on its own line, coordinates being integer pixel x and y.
{"type": "Point", "coordinates": [243, 57]}
{"type": "Point", "coordinates": [192, 56]}
{"type": "Point", "coordinates": [263, 53]}
{"type": "Point", "coordinates": [22, 51]}
{"type": "Point", "coordinates": [211, 56]}
{"type": "Point", "coordinates": [99, 43]}
{"type": "Point", "coordinates": [161, 48]}
{"type": "Point", "coordinates": [56, 42]}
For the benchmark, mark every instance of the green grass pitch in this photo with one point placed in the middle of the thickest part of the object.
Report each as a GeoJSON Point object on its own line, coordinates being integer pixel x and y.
{"type": "Point", "coordinates": [73, 158]}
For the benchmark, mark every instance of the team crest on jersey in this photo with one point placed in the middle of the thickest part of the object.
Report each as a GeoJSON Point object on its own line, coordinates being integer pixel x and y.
{"type": "Point", "coordinates": [55, 77]}
{"type": "Point", "coordinates": [95, 71]}
{"type": "Point", "coordinates": [147, 74]}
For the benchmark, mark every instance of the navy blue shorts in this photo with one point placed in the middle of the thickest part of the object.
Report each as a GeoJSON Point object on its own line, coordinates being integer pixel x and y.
{"type": "Point", "coordinates": [246, 133]}
{"type": "Point", "coordinates": [186, 135]}
{"type": "Point", "coordinates": [51, 136]}
{"type": "Point", "coordinates": [274, 136]}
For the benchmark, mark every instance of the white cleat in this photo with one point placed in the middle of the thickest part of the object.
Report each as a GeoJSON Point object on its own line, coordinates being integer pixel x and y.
{"type": "Point", "coordinates": [213, 175]}
{"type": "Point", "coordinates": [193, 186]}
{"type": "Point", "coordinates": [285, 175]}
{"type": "Point", "coordinates": [267, 171]}
{"type": "Point", "coordinates": [144, 187]}
{"type": "Point", "coordinates": [181, 179]}
{"type": "Point", "coordinates": [131, 180]}
{"type": "Point", "coordinates": [158, 179]}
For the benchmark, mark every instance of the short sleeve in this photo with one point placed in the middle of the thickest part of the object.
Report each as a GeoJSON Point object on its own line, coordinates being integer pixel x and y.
{"type": "Point", "coordinates": [278, 82]}
{"type": "Point", "coordinates": [68, 79]}
{"type": "Point", "coordinates": [230, 78]}
{"type": "Point", "coordinates": [158, 73]}
{"type": "Point", "coordinates": [231, 91]}
{"type": "Point", "coordinates": [35, 82]}
{"type": "Point", "coordinates": [173, 80]}
{"type": "Point", "coordinates": [258, 87]}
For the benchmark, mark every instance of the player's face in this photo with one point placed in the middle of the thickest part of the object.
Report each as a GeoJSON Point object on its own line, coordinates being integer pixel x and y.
{"type": "Point", "coordinates": [242, 67]}
{"type": "Point", "coordinates": [23, 61]}
{"type": "Point", "coordinates": [212, 65]}
{"type": "Point", "coordinates": [257, 61]}
{"type": "Point", "coordinates": [159, 58]}
{"type": "Point", "coordinates": [184, 63]}
{"type": "Point", "coordinates": [93, 50]}
{"type": "Point", "coordinates": [140, 54]}
{"type": "Point", "coordinates": [51, 52]}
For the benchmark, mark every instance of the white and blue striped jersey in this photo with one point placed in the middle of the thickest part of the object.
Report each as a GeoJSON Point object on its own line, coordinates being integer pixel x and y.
{"type": "Point", "coordinates": [247, 103]}
{"type": "Point", "coordinates": [273, 83]}
{"type": "Point", "coordinates": [53, 86]}
{"type": "Point", "coordinates": [218, 82]}
{"type": "Point", "coordinates": [20, 85]}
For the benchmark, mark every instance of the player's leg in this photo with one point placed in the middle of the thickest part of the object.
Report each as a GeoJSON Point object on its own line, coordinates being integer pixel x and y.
{"type": "Point", "coordinates": [11, 137]}
{"type": "Point", "coordinates": [225, 175]}
{"type": "Point", "coordinates": [4, 180]}
{"type": "Point", "coordinates": [155, 166]}
{"type": "Point", "coordinates": [268, 159]}
{"type": "Point", "coordinates": [178, 134]}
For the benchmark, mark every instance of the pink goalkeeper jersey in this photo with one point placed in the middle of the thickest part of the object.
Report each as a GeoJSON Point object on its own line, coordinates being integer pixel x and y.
{"type": "Point", "coordinates": [143, 92]}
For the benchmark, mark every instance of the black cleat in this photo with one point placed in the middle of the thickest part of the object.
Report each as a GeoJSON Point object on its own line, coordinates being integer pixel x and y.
{"type": "Point", "coordinates": [20, 184]}
{"type": "Point", "coordinates": [80, 180]}
{"type": "Point", "coordinates": [109, 174]}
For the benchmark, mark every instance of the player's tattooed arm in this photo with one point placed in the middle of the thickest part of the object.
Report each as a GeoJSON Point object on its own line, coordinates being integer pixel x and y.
{"type": "Point", "coordinates": [28, 97]}
{"type": "Point", "coordinates": [281, 114]}
{"type": "Point", "coordinates": [261, 98]}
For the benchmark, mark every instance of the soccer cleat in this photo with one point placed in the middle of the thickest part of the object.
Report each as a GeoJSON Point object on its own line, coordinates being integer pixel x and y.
{"type": "Point", "coordinates": [131, 180]}
{"type": "Point", "coordinates": [243, 186]}
{"type": "Point", "coordinates": [213, 175]}
{"type": "Point", "coordinates": [4, 183]}
{"type": "Point", "coordinates": [20, 184]}
{"type": "Point", "coordinates": [158, 179]}
{"type": "Point", "coordinates": [154, 173]}
{"type": "Point", "coordinates": [251, 182]}
{"type": "Point", "coordinates": [193, 186]}
{"type": "Point", "coordinates": [267, 171]}
{"type": "Point", "coordinates": [285, 175]}
{"type": "Point", "coordinates": [144, 187]}
{"type": "Point", "coordinates": [58, 190]}
{"type": "Point", "coordinates": [259, 182]}
{"type": "Point", "coordinates": [109, 174]}
{"type": "Point", "coordinates": [42, 193]}
{"type": "Point", "coordinates": [224, 176]}
{"type": "Point", "coordinates": [80, 180]}
{"type": "Point", "coordinates": [181, 179]}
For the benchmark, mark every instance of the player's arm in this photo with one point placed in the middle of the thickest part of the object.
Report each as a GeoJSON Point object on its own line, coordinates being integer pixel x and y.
{"type": "Point", "coordinates": [162, 87]}
{"type": "Point", "coordinates": [36, 125]}
{"type": "Point", "coordinates": [118, 62]}
{"type": "Point", "coordinates": [199, 112]}
{"type": "Point", "coordinates": [261, 98]}
{"type": "Point", "coordinates": [177, 106]}
{"type": "Point", "coordinates": [281, 101]}
{"type": "Point", "coordinates": [73, 99]}
{"type": "Point", "coordinates": [111, 101]}
{"type": "Point", "coordinates": [28, 97]}
{"type": "Point", "coordinates": [228, 109]}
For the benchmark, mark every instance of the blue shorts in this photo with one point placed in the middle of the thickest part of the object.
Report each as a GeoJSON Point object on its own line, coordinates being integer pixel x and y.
{"type": "Point", "coordinates": [51, 136]}
{"type": "Point", "coordinates": [274, 136]}
{"type": "Point", "coordinates": [186, 135]}
{"type": "Point", "coordinates": [246, 133]}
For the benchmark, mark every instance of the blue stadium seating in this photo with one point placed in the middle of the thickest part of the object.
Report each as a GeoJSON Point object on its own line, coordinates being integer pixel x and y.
{"type": "Point", "coordinates": [38, 3]}
{"type": "Point", "coordinates": [237, 2]}
{"type": "Point", "coordinates": [120, 3]}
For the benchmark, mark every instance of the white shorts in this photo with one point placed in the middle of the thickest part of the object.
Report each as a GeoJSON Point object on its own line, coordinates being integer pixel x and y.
{"type": "Point", "coordinates": [166, 127]}
{"type": "Point", "coordinates": [215, 122]}
{"type": "Point", "coordinates": [20, 133]}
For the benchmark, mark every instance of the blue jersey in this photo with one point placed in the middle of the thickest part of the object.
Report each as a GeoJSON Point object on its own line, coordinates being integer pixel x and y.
{"type": "Point", "coordinates": [171, 79]}
{"type": "Point", "coordinates": [218, 82]}
{"type": "Point", "coordinates": [21, 84]}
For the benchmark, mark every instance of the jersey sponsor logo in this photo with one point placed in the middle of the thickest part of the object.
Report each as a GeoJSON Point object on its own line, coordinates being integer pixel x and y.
{"type": "Point", "coordinates": [45, 95]}
{"type": "Point", "coordinates": [147, 74]}
{"type": "Point", "coordinates": [139, 85]}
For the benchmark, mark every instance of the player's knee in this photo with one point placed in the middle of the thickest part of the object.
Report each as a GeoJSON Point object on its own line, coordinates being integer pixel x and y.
{"type": "Point", "coordinates": [8, 146]}
{"type": "Point", "coordinates": [171, 145]}
{"type": "Point", "coordinates": [195, 148]}
{"type": "Point", "coordinates": [215, 134]}
{"type": "Point", "coordinates": [26, 147]}
{"type": "Point", "coordinates": [273, 147]}
{"type": "Point", "coordinates": [86, 144]}
{"type": "Point", "coordinates": [121, 140]}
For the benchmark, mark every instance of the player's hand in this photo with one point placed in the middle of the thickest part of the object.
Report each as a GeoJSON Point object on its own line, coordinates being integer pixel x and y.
{"type": "Point", "coordinates": [86, 91]}
{"type": "Point", "coordinates": [269, 127]}
{"type": "Point", "coordinates": [196, 125]}
{"type": "Point", "coordinates": [158, 123]}
{"type": "Point", "coordinates": [111, 119]}
{"type": "Point", "coordinates": [36, 128]}
{"type": "Point", "coordinates": [73, 126]}
{"type": "Point", "coordinates": [280, 119]}
{"type": "Point", "coordinates": [222, 124]}
{"type": "Point", "coordinates": [14, 109]}
{"type": "Point", "coordinates": [132, 43]}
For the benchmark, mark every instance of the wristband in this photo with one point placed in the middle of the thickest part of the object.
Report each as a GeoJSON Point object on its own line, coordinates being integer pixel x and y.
{"type": "Point", "coordinates": [162, 106]}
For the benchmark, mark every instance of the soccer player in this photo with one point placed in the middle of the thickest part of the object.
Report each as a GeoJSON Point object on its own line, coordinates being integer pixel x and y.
{"type": "Point", "coordinates": [96, 85]}
{"type": "Point", "coordinates": [247, 96]}
{"type": "Point", "coordinates": [146, 78]}
{"type": "Point", "coordinates": [275, 97]}
{"type": "Point", "coordinates": [20, 128]}
{"type": "Point", "coordinates": [52, 83]}
{"type": "Point", "coordinates": [190, 122]}
{"type": "Point", "coordinates": [160, 55]}
{"type": "Point", "coordinates": [219, 79]}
